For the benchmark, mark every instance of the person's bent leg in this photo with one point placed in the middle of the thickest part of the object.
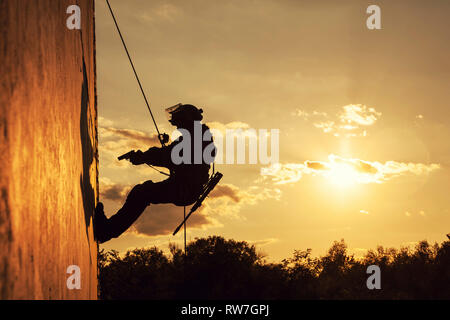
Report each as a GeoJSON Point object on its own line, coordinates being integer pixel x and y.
{"type": "Point", "coordinates": [137, 200]}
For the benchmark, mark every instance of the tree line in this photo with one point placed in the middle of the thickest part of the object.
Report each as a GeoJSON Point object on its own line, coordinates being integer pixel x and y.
{"type": "Point", "coordinates": [217, 268]}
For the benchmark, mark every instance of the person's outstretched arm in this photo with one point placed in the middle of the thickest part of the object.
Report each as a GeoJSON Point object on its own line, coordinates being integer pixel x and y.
{"type": "Point", "coordinates": [154, 156]}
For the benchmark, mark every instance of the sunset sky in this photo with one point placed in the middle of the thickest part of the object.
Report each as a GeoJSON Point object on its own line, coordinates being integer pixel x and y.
{"type": "Point", "coordinates": [364, 117]}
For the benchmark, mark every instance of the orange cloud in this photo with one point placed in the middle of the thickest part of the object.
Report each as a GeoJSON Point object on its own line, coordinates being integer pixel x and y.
{"type": "Point", "coordinates": [226, 190]}
{"type": "Point", "coordinates": [111, 191]}
{"type": "Point", "coordinates": [162, 219]}
{"type": "Point", "coordinates": [356, 170]}
{"type": "Point", "coordinates": [133, 135]}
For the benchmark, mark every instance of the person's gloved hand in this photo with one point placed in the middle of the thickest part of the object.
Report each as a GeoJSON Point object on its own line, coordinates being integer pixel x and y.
{"type": "Point", "coordinates": [137, 158]}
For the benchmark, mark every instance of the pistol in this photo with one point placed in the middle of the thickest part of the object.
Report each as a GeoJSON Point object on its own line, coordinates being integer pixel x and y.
{"type": "Point", "coordinates": [127, 155]}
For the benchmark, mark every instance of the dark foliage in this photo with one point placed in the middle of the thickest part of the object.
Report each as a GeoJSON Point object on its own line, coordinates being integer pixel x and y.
{"type": "Point", "coordinates": [215, 268]}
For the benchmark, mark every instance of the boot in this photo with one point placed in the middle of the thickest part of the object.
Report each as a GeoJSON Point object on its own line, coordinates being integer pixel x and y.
{"type": "Point", "coordinates": [100, 224]}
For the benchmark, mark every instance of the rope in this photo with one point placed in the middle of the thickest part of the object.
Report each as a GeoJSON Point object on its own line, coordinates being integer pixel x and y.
{"type": "Point", "coordinates": [185, 253]}
{"type": "Point", "coordinates": [162, 172]}
{"type": "Point", "coordinates": [135, 73]}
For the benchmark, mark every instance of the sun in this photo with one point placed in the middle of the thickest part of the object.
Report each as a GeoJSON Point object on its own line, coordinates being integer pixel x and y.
{"type": "Point", "coordinates": [342, 175]}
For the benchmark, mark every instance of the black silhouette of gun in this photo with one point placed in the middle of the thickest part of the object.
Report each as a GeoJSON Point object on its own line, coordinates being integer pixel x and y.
{"type": "Point", "coordinates": [127, 155]}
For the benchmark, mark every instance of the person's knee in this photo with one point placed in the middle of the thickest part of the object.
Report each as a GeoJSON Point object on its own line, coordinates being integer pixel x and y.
{"type": "Point", "coordinates": [140, 192]}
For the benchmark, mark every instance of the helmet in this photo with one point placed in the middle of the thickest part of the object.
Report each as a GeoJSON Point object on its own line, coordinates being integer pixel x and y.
{"type": "Point", "coordinates": [184, 112]}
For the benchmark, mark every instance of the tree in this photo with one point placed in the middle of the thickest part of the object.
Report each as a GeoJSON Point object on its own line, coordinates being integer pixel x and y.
{"type": "Point", "coordinates": [216, 268]}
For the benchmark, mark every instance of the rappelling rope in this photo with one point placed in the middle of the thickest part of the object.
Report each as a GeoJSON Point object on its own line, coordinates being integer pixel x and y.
{"type": "Point", "coordinates": [135, 73]}
{"type": "Point", "coordinates": [184, 217]}
{"type": "Point", "coordinates": [139, 82]}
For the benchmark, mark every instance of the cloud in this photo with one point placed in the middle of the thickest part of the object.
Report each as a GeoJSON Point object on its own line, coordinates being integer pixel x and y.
{"type": "Point", "coordinates": [162, 219]}
{"type": "Point", "coordinates": [358, 165]}
{"type": "Point", "coordinates": [421, 213]}
{"type": "Point", "coordinates": [103, 122]}
{"type": "Point", "coordinates": [227, 202]}
{"type": "Point", "coordinates": [134, 135]}
{"type": "Point", "coordinates": [347, 122]}
{"type": "Point", "coordinates": [226, 190]}
{"type": "Point", "coordinates": [112, 138]}
{"type": "Point", "coordinates": [353, 170]}
{"type": "Point", "coordinates": [359, 115]}
{"type": "Point", "coordinates": [284, 173]}
{"type": "Point", "coordinates": [111, 191]}
{"type": "Point", "coordinates": [316, 165]}
{"type": "Point", "coordinates": [348, 127]}
{"type": "Point", "coordinates": [306, 115]}
{"type": "Point", "coordinates": [115, 192]}
{"type": "Point", "coordinates": [393, 169]}
{"type": "Point", "coordinates": [263, 242]}
{"type": "Point", "coordinates": [326, 126]}
{"type": "Point", "coordinates": [235, 128]}
{"type": "Point", "coordinates": [249, 196]}
{"type": "Point", "coordinates": [300, 113]}
{"type": "Point", "coordinates": [227, 126]}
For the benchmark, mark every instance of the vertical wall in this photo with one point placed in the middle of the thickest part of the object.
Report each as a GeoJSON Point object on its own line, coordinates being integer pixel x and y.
{"type": "Point", "coordinates": [48, 150]}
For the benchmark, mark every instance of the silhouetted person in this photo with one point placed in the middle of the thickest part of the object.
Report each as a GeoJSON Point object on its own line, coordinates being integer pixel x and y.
{"type": "Point", "coordinates": [184, 185]}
